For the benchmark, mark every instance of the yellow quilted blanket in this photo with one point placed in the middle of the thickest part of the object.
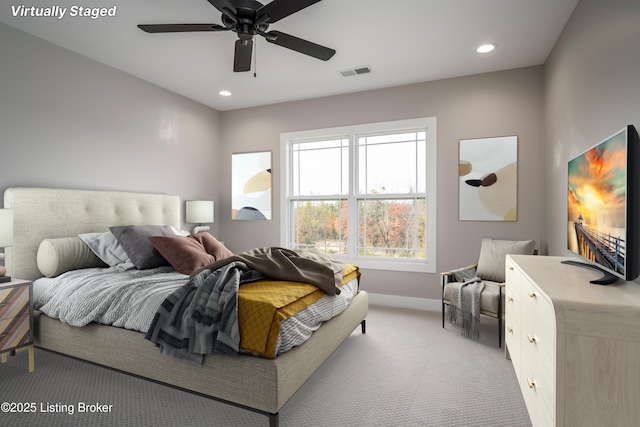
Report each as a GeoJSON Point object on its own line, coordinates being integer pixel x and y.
{"type": "Point", "coordinates": [264, 304]}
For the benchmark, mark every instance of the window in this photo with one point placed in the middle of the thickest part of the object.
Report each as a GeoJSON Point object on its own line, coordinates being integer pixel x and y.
{"type": "Point", "coordinates": [365, 193]}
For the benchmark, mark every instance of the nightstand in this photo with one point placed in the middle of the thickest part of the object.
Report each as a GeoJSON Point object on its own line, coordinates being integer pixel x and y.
{"type": "Point", "coordinates": [16, 325]}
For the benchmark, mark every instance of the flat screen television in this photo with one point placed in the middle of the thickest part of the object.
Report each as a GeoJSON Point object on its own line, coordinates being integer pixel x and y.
{"type": "Point", "coordinates": [603, 202]}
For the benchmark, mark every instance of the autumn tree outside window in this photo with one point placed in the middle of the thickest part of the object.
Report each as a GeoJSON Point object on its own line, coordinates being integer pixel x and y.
{"type": "Point", "coordinates": [364, 193]}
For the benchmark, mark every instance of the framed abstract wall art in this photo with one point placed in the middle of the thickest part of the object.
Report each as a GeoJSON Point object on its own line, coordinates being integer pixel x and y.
{"type": "Point", "coordinates": [488, 179]}
{"type": "Point", "coordinates": [251, 186]}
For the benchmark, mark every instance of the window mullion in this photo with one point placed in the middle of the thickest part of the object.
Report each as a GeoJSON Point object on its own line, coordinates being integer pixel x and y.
{"type": "Point", "coordinates": [352, 208]}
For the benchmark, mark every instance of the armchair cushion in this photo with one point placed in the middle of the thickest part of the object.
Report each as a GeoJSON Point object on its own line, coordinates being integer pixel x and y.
{"type": "Point", "coordinates": [493, 254]}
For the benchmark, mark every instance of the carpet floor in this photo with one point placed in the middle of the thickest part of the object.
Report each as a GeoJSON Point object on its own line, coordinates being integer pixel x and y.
{"type": "Point", "coordinates": [405, 371]}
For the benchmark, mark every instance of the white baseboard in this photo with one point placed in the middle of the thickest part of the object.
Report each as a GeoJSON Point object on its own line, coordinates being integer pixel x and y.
{"type": "Point", "coordinates": [414, 303]}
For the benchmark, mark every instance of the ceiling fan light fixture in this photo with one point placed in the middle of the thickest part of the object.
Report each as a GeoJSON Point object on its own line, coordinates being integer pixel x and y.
{"type": "Point", "coordinates": [224, 93]}
{"type": "Point", "coordinates": [486, 48]}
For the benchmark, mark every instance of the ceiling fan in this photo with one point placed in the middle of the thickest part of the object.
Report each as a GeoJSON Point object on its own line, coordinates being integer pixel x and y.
{"type": "Point", "coordinates": [248, 18]}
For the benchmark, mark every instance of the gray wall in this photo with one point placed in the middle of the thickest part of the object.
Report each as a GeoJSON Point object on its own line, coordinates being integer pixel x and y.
{"type": "Point", "coordinates": [68, 121]}
{"type": "Point", "coordinates": [493, 104]}
{"type": "Point", "coordinates": [592, 90]}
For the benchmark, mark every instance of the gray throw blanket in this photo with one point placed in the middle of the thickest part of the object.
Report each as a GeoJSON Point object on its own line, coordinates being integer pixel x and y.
{"type": "Point", "coordinates": [201, 317]}
{"type": "Point", "coordinates": [465, 303]}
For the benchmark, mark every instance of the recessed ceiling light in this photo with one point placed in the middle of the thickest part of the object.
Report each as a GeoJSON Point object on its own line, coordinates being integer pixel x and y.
{"type": "Point", "coordinates": [225, 93]}
{"type": "Point", "coordinates": [486, 48]}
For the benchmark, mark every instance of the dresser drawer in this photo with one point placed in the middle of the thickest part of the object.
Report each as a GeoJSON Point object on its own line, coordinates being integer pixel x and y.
{"type": "Point", "coordinates": [537, 366]}
{"type": "Point", "coordinates": [539, 394]}
{"type": "Point", "coordinates": [513, 309]}
{"type": "Point", "coordinates": [14, 301]}
{"type": "Point", "coordinates": [538, 323]}
{"type": "Point", "coordinates": [513, 328]}
{"type": "Point", "coordinates": [15, 332]}
{"type": "Point", "coordinates": [513, 313]}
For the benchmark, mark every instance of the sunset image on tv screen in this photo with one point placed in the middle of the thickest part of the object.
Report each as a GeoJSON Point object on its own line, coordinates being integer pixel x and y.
{"type": "Point", "coordinates": [597, 187]}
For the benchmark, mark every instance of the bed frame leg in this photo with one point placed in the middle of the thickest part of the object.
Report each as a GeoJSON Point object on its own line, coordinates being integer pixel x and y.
{"type": "Point", "coordinates": [363, 326]}
{"type": "Point", "coordinates": [274, 419]}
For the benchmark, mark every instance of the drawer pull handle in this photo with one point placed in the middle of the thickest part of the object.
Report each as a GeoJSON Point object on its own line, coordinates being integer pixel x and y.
{"type": "Point", "coordinates": [510, 329]}
{"type": "Point", "coordinates": [532, 294]}
{"type": "Point", "coordinates": [510, 299]}
{"type": "Point", "coordinates": [532, 339]}
{"type": "Point", "coordinates": [510, 268]}
{"type": "Point", "coordinates": [532, 382]}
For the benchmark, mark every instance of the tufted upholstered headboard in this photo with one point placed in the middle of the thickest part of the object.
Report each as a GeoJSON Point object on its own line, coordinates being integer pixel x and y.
{"type": "Point", "coordinates": [40, 213]}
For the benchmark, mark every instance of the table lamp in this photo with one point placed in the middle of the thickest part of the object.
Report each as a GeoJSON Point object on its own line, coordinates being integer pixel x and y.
{"type": "Point", "coordinates": [199, 212]}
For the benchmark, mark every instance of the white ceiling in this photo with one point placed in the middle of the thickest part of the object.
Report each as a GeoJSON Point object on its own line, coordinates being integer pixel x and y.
{"type": "Point", "coordinates": [403, 41]}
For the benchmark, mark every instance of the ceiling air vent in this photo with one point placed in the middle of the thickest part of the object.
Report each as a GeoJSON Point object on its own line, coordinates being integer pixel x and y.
{"type": "Point", "coordinates": [355, 71]}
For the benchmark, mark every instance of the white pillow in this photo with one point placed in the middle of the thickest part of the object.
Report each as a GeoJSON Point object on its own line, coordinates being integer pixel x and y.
{"type": "Point", "coordinates": [108, 249]}
{"type": "Point", "coordinates": [56, 256]}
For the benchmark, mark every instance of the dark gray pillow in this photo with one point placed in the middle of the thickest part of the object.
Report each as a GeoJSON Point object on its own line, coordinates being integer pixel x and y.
{"type": "Point", "coordinates": [134, 239]}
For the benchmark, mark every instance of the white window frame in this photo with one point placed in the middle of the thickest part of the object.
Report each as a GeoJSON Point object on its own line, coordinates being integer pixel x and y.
{"type": "Point", "coordinates": [427, 265]}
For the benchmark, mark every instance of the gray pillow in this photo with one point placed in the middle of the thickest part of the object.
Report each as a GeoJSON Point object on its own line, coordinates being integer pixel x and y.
{"type": "Point", "coordinates": [493, 254]}
{"type": "Point", "coordinates": [107, 248]}
{"type": "Point", "coordinates": [134, 239]}
{"type": "Point", "coordinates": [56, 256]}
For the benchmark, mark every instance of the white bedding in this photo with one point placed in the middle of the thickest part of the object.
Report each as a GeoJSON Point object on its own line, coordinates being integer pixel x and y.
{"type": "Point", "coordinates": [123, 298]}
{"type": "Point", "coordinates": [298, 328]}
{"type": "Point", "coordinates": [129, 299]}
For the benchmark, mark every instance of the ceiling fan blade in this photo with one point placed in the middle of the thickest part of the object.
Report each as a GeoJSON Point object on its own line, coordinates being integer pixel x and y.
{"type": "Point", "coordinates": [279, 9]}
{"type": "Point", "coordinates": [242, 57]}
{"type": "Point", "coordinates": [300, 45]}
{"type": "Point", "coordinates": [181, 28]}
{"type": "Point", "coordinates": [221, 5]}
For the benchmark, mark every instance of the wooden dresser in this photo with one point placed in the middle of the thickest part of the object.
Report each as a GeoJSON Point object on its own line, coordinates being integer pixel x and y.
{"type": "Point", "coordinates": [575, 346]}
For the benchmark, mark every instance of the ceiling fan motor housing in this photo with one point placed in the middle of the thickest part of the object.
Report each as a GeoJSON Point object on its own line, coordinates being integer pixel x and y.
{"type": "Point", "coordinates": [246, 25]}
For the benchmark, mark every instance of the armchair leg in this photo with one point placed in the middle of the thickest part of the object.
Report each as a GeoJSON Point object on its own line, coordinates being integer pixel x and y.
{"type": "Point", "coordinates": [443, 283]}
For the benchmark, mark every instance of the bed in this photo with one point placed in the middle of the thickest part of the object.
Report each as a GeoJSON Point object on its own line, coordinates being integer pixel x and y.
{"type": "Point", "coordinates": [261, 385]}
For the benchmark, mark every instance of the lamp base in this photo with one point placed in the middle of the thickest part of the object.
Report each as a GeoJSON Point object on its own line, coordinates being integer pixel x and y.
{"type": "Point", "coordinates": [4, 279]}
{"type": "Point", "coordinates": [200, 228]}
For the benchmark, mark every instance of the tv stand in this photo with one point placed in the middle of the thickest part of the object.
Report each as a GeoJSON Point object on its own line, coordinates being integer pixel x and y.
{"type": "Point", "coordinates": [606, 279]}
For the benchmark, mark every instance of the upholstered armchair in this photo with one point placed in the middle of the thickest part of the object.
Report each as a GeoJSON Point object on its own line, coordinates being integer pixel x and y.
{"type": "Point", "coordinates": [490, 269]}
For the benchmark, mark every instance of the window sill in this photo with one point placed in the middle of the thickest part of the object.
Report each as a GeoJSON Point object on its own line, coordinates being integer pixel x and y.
{"type": "Point", "coordinates": [385, 264]}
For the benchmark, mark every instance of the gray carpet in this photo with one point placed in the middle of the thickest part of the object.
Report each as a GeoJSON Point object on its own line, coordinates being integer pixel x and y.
{"type": "Point", "coordinates": [405, 371]}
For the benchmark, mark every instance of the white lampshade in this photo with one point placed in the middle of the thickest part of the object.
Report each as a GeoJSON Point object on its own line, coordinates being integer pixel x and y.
{"type": "Point", "coordinates": [199, 211]}
{"type": "Point", "coordinates": [6, 227]}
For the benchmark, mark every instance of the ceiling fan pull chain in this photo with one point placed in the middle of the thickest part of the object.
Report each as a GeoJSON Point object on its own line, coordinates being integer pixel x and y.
{"type": "Point", "coordinates": [255, 60]}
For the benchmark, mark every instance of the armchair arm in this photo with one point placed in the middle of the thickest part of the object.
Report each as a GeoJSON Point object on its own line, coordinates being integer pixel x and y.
{"type": "Point", "coordinates": [469, 267]}
{"type": "Point", "coordinates": [447, 276]}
